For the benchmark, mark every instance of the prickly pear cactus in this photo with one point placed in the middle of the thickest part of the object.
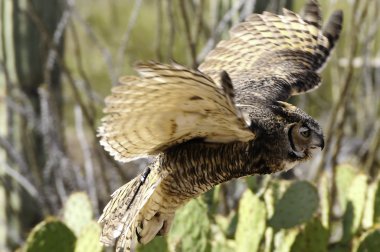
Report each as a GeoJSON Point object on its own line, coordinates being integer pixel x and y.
{"type": "Point", "coordinates": [370, 206]}
{"type": "Point", "coordinates": [88, 239]}
{"type": "Point", "coordinates": [191, 228]}
{"type": "Point", "coordinates": [345, 174]}
{"type": "Point", "coordinates": [376, 217]}
{"type": "Point", "coordinates": [251, 223]}
{"type": "Point", "coordinates": [50, 235]}
{"type": "Point", "coordinates": [355, 207]}
{"type": "Point", "coordinates": [284, 239]}
{"type": "Point", "coordinates": [297, 206]}
{"type": "Point", "coordinates": [369, 242]}
{"type": "Point", "coordinates": [313, 238]}
{"type": "Point", "coordinates": [77, 212]}
{"type": "Point", "coordinates": [324, 196]}
{"type": "Point", "coordinates": [224, 246]}
{"type": "Point", "coordinates": [275, 190]}
{"type": "Point", "coordinates": [158, 244]}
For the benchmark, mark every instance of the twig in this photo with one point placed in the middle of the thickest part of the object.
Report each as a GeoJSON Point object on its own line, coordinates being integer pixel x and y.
{"type": "Point", "coordinates": [220, 28]}
{"type": "Point", "coordinates": [200, 24]}
{"type": "Point", "coordinates": [24, 182]}
{"type": "Point", "coordinates": [41, 27]}
{"type": "Point", "coordinates": [8, 83]}
{"type": "Point", "coordinates": [78, 56]}
{"type": "Point", "coordinates": [87, 157]}
{"type": "Point", "coordinates": [13, 154]}
{"type": "Point", "coordinates": [106, 54]}
{"type": "Point", "coordinates": [53, 143]}
{"type": "Point", "coordinates": [170, 7]}
{"type": "Point", "coordinates": [131, 23]}
{"type": "Point", "coordinates": [159, 30]}
{"type": "Point", "coordinates": [189, 37]}
{"type": "Point", "coordinates": [57, 39]}
{"type": "Point", "coordinates": [374, 147]}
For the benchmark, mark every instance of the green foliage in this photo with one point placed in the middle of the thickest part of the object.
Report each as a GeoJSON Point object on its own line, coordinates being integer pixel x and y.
{"type": "Point", "coordinates": [191, 228]}
{"type": "Point", "coordinates": [345, 175]}
{"type": "Point", "coordinates": [284, 239]}
{"type": "Point", "coordinates": [228, 224]}
{"type": "Point", "coordinates": [77, 212]}
{"type": "Point", "coordinates": [88, 239]}
{"type": "Point", "coordinates": [313, 238]}
{"type": "Point", "coordinates": [77, 232]}
{"type": "Point", "coordinates": [158, 244]}
{"type": "Point", "coordinates": [324, 200]}
{"type": "Point", "coordinates": [283, 216]}
{"type": "Point", "coordinates": [370, 241]}
{"type": "Point", "coordinates": [376, 217]}
{"type": "Point", "coordinates": [50, 235]}
{"type": "Point", "coordinates": [355, 206]}
{"type": "Point", "coordinates": [251, 223]}
{"type": "Point", "coordinates": [369, 208]}
{"type": "Point", "coordinates": [296, 206]}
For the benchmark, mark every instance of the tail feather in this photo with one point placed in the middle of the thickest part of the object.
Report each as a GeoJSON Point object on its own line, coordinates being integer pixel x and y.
{"type": "Point", "coordinates": [120, 217]}
{"type": "Point", "coordinates": [116, 209]}
{"type": "Point", "coordinates": [333, 27]}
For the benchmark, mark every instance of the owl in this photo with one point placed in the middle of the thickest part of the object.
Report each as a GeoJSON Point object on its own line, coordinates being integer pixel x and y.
{"type": "Point", "coordinates": [225, 120]}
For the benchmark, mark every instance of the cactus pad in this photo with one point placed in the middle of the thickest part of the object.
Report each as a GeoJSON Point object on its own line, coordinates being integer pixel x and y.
{"type": "Point", "coordinates": [297, 206]}
{"type": "Point", "coordinates": [88, 239]}
{"type": "Point", "coordinates": [251, 223]}
{"type": "Point", "coordinates": [370, 242]}
{"type": "Point", "coordinates": [191, 228]}
{"type": "Point", "coordinates": [50, 235]}
{"type": "Point", "coordinates": [77, 212]}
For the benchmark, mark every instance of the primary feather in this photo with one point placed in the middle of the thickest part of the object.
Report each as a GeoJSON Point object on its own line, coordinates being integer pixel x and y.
{"type": "Point", "coordinates": [276, 56]}
{"type": "Point", "coordinates": [168, 105]}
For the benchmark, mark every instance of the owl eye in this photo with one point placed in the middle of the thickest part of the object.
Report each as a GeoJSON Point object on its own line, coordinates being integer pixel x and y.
{"type": "Point", "coordinates": [305, 132]}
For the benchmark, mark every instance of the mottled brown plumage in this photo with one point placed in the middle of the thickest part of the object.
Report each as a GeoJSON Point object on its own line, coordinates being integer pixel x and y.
{"type": "Point", "coordinates": [225, 121]}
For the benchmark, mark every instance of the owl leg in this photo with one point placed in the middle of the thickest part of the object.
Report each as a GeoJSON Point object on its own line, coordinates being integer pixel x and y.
{"type": "Point", "coordinates": [167, 225]}
{"type": "Point", "coordinates": [149, 228]}
{"type": "Point", "coordinates": [157, 225]}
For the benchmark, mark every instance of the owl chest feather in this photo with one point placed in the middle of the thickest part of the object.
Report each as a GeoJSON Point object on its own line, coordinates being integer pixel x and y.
{"type": "Point", "coordinates": [197, 167]}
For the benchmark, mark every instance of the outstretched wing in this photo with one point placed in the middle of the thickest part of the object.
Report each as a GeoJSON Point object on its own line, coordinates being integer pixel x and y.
{"type": "Point", "coordinates": [167, 105]}
{"type": "Point", "coordinates": [276, 56]}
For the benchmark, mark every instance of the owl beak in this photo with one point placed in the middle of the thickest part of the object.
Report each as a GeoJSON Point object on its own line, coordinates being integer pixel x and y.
{"type": "Point", "coordinates": [318, 141]}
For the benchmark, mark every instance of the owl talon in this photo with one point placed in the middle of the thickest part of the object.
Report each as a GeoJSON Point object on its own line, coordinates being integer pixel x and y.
{"type": "Point", "coordinates": [138, 231]}
{"type": "Point", "coordinates": [148, 229]}
{"type": "Point", "coordinates": [166, 226]}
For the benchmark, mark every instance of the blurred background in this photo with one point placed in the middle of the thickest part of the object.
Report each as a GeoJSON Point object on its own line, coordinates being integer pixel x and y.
{"type": "Point", "coordinates": [60, 58]}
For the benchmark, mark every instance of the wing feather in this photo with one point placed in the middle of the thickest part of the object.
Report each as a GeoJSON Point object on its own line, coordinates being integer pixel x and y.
{"type": "Point", "coordinates": [167, 105]}
{"type": "Point", "coordinates": [276, 56]}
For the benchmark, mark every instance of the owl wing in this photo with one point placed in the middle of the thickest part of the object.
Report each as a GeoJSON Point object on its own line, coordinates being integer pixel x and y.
{"type": "Point", "coordinates": [276, 56]}
{"type": "Point", "coordinates": [168, 105]}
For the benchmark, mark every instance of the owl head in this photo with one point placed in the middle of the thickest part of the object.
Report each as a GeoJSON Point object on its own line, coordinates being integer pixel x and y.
{"type": "Point", "coordinates": [303, 133]}
{"type": "Point", "coordinates": [287, 132]}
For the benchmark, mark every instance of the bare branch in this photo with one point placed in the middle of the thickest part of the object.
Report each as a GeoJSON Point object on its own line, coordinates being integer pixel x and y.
{"type": "Point", "coordinates": [220, 28]}
{"type": "Point", "coordinates": [189, 37]}
{"type": "Point", "coordinates": [123, 46]}
{"type": "Point", "coordinates": [24, 183]}
{"type": "Point", "coordinates": [13, 154]}
{"type": "Point", "coordinates": [87, 157]}
{"type": "Point", "coordinates": [107, 57]}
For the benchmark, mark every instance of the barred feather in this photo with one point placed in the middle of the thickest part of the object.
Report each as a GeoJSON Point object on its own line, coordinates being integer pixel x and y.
{"type": "Point", "coordinates": [168, 105]}
{"type": "Point", "coordinates": [121, 215]}
{"type": "Point", "coordinates": [276, 56]}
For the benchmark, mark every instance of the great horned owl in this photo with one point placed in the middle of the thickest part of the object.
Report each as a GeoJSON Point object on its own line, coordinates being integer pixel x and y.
{"type": "Point", "coordinates": [226, 120]}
